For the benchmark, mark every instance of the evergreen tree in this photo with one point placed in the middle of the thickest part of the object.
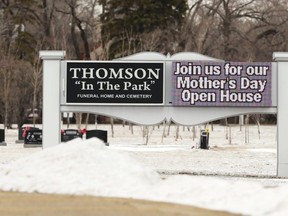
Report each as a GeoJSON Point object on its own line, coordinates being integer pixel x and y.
{"type": "Point", "coordinates": [124, 22]}
{"type": "Point", "coordinates": [14, 19]}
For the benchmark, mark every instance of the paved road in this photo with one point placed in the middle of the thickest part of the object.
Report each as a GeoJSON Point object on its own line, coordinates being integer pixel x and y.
{"type": "Point", "coordinates": [20, 204]}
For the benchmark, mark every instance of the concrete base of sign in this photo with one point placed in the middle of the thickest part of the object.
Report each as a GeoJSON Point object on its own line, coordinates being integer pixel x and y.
{"type": "Point", "coordinates": [282, 170]}
{"type": "Point", "coordinates": [19, 141]}
{"type": "Point", "coordinates": [32, 145]}
{"type": "Point", "coordinates": [3, 144]}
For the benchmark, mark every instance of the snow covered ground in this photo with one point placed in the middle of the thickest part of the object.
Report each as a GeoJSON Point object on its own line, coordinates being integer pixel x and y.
{"type": "Point", "coordinates": [231, 175]}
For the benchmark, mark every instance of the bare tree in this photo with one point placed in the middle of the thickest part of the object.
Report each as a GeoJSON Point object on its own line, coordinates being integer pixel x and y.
{"type": "Point", "coordinates": [6, 73]}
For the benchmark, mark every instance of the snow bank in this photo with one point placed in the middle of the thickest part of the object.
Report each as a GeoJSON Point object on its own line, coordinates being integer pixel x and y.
{"type": "Point", "coordinates": [238, 196]}
{"type": "Point", "coordinates": [88, 167]}
{"type": "Point", "coordinates": [77, 167]}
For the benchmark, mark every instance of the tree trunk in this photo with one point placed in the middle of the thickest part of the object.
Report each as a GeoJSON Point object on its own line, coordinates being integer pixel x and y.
{"type": "Point", "coordinates": [194, 132]}
{"type": "Point", "coordinates": [241, 121]}
{"type": "Point", "coordinates": [6, 91]}
{"type": "Point", "coordinates": [79, 120]}
{"type": "Point", "coordinates": [257, 119]}
{"type": "Point", "coordinates": [112, 126]}
{"type": "Point", "coordinates": [131, 128]}
{"type": "Point", "coordinates": [230, 135]}
{"type": "Point", "coordinates": [87, 120]}
{"type": "Point", "coordinates": [247, 129]}
{"type": "Point", "coordinates": [96, 122]}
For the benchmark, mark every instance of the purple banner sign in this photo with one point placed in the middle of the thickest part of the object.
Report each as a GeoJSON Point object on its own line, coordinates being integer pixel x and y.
{"type": "Point", "coordinates": [221, 83]}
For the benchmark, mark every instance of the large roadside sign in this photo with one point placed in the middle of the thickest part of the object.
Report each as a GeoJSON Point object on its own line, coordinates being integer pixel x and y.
{"type": "Point", "coordinates": [112, 82]}
{"type": "Point", "coordinates": [199, 89]}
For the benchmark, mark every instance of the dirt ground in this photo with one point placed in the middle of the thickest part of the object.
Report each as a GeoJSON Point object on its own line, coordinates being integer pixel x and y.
{"type": "Point", "coordinates": [19, 204]}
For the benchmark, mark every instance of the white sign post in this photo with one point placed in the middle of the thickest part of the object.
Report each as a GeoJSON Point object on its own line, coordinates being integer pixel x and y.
{"type": "Point", "coordinates": [51, 97]}
{"type": "Point", "coordinates": [282, 113]}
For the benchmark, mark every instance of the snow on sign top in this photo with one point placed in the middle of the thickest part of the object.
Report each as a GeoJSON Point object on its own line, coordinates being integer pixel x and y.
{"type": "Point", "coordinates": [222, 84]}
